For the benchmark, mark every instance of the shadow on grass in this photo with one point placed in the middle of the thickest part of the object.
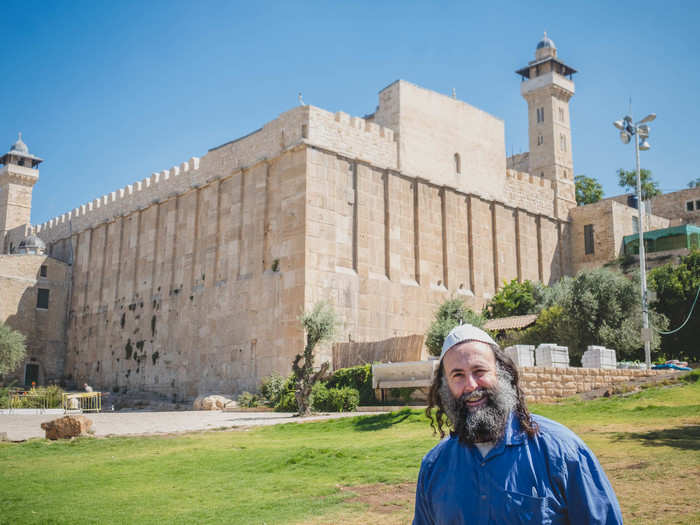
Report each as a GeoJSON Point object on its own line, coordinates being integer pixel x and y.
{"type": "Point", "coordinates": [684, 437]}
{"type": "Point", "coordinates": [381, 421]}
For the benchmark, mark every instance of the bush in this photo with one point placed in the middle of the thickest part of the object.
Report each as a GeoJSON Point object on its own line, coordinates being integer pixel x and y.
{"type": "Point", "coordinates": [248, 400]}
{"type": "Point", "coordinates": [514, 298]}
{"type": "Point", "coordinates": [450, 314]}
{"type": "Point", "coordinates": [36, 397]}
{"type": "Point", "coordinates": [273, 387]}
{"type": "Point", "coordinates": [357, 377]}
{"type": "Point", "coordinates": [287, 403]}
{"type": "Point", "coordinates": [324, 399]}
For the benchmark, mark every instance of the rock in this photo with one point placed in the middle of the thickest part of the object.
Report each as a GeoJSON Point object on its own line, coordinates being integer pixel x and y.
{"type": "Point", "coordinates": [67, 427]}
{"type": "Point", "coordinates": [212, 402]}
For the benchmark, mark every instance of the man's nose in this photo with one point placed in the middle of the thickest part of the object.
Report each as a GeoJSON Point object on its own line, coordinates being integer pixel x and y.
{"type": "Point", "coordinates": [470, 384]}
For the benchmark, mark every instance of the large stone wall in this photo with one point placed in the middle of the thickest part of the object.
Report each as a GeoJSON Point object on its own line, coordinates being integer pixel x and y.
{"type": "Point", "coordinates": [198, 292]}
{"type": "Point", "coordinates": [547, 383]}
{"type": "Point", "coordinates": [387, 249]}
{"type": "Point", "coordinates": [44, 328]}
{"type": "Point", "coordinates": [191, 280]}
{"type": "Point", "coordinates": [431, 128]}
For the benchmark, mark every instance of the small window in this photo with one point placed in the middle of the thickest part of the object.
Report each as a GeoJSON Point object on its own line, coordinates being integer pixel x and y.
{"type": "Point", "coordinates": [588, 239]}
{"type": "Point", "coordinates": [635, 224]}
{"type": "Point", "coordinates": [540, 114]}
{"type": "Point", "coordinates": [561, 114]}
{"type": "Point", "coordinates": [697, 205]}
{"type": "Point", "coordinates": [42, 299]}
{"type": "Point", "coordinates": [43, 271]}
{"type": "Point", "coordinates": [458, 163]}
{"type": "Point", "coordinates": [689, 206]}
{"type": "Point", "coordinates": [562, 142]}
{"type": "Point", "coordinates": [304, 131]}
{"type": "Point", "coordinates": [540, 140]}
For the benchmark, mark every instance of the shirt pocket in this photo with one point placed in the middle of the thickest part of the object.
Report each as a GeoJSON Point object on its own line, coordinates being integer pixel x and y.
{"type": "Point", "coordinates": [521, 509]}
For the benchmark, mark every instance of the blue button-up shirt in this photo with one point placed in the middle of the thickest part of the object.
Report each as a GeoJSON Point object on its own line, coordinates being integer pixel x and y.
{"type": "Point", "coordinates": [553, 478]}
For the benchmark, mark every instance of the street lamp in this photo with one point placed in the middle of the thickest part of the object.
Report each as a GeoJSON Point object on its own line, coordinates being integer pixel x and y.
{"type": "Point", "coordinates": [640, 132]}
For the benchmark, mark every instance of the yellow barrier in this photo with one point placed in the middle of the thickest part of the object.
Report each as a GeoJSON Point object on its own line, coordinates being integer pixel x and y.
{"type": "Point", "coordinates": [28, 399]}
{"type": "Point", "coordinates": [82, 401]}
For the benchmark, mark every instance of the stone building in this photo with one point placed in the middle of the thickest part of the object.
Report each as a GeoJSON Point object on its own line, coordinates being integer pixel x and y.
{"type": "Point", "coordinates": [192, 279]}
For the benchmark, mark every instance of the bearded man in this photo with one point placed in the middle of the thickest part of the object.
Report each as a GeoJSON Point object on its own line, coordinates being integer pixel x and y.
{"type": "Point", "coordinates": [500, 464]}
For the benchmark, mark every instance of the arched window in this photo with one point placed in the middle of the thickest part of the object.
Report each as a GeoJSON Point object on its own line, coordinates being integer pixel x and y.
{"type": "Point", "coordinates": [458, 164]}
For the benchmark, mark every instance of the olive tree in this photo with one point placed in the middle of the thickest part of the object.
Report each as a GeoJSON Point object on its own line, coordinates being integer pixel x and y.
{"type": "Point", "coordinates": [319, 325]}
{"type": "Point", "coordinates": [12, 349]}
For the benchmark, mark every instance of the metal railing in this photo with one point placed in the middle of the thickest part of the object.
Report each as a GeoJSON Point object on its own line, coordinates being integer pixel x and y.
{"type": "Point", "coordinates": [81, 402]}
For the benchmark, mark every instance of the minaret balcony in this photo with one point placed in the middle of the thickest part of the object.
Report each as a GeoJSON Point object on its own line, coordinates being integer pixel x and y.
{"type": "Point", "coordinates": [548, 79]}
{"type": "Point", "coordinates": [13, 172]}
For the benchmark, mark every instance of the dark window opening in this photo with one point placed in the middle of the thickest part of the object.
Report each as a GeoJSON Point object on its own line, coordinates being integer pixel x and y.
{"type": "Point", "coordinates": [458, 163]}
{"type": "Point", "coordinates": [697, 205]}
{"type": "Point", "coordinates": [43, 271]}
{"type": "Point", "coordinates": [588, 238]}
{"type": "Point", "coordinates": [42, 298]}
{"type": "Point", "coordinates": [31, 374]}
{"type": "Point", "coordinates": [689, 206]}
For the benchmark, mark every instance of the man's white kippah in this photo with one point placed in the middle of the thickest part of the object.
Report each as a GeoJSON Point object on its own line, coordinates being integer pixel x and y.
{"type": "Point", "coordinates": [465, 332]}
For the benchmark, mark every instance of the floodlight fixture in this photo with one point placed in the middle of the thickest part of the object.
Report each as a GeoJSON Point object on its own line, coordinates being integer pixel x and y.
{"type": "Point", "coordinates": [648, 118]}
{"type": "Point", "coordinates": [625, 137]}
{"type": "Point", "coordinates": [619, 124]}
{"type": "Point", "coordinates": [643, 131]}
{"type": "Point", "coordinates": [644, 145]}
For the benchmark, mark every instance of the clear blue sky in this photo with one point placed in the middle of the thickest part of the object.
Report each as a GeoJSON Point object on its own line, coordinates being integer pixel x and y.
{"type": "Point", "coordinates": [108, 92]}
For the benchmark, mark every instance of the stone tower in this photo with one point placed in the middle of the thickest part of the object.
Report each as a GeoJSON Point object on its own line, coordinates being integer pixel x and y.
{"type": "Point", "coordinates": [547, 86]}
{"type": "Point", "coordinates": [18, 174]}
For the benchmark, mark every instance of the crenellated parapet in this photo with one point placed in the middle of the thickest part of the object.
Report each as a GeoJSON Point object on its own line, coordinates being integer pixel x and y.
{"type": "Point", "coordinates": [530, 192]}
{"type": "Point", "coordinates": [131, 197]}
{"type": "Point", "coordinates": [354, 137]}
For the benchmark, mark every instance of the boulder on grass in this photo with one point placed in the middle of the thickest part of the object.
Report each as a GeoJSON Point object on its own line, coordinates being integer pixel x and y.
{"type": "Point", "coordinates": [212, 402]}
{"type": "Point", "coordinates": [67, 427]}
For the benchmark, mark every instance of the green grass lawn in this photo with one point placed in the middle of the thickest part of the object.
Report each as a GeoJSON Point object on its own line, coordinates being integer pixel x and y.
{"type": "Point", "coordinates": [355, 470]}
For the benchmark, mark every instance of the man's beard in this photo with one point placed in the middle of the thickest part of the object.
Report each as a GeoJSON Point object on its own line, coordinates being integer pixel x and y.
{"type": "Point", "coordinates": [484, 423]}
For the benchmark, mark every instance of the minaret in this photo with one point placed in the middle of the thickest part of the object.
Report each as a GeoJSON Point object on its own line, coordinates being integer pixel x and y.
{"type": "Point", "coordinates": [18, 174]}
{"type": "Point", "coordinates": [547, 86]}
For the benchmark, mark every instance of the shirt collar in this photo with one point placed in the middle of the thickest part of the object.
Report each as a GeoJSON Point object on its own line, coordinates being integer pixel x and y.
{"type": "Point", "coordinates": [514, 434]}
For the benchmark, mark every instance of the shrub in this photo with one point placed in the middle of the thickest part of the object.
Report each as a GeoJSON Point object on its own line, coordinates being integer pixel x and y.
{"type": "Point", "coordinates": [324, 399]}
{"type": "Point", "coordinates": [248, 400]}
{"type": "Point", "coordinates": [36, 397]}
{"type": "Point", "coordinates": [450, 314]}
{"type": "Point", "coordinates": [357, 377]}
{"type": "Point", "coordinates": [273, 387]}
{"type": "Point", "coordinates": [287, 403]}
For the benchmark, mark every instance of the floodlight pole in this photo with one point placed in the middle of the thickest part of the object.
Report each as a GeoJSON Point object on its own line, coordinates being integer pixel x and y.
{"type": "Point", "coordinates": [646, 335]}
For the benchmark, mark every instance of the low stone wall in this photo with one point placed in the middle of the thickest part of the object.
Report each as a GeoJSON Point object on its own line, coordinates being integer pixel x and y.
{"type": "Point", "coordinates": [547, 383]}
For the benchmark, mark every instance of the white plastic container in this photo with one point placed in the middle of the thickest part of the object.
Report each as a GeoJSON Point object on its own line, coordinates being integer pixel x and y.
{"type": "Point", "coordinates": [552, 355]}
{"type": "Point", "coordinates": [522, 355]}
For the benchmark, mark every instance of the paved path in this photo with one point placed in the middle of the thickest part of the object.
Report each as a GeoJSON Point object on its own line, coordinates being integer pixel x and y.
{"type": "Point", "coordinates": [25, 424]}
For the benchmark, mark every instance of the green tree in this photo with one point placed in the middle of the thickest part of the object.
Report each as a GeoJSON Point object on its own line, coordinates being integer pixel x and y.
{"type": "Point", "coordinates": [676, 288]}
{"type": "Point", "coordinates": [597, 307]}
{"type": "Point", "coordinates": [514, 298]}
{"type": "Point", "coordinates": [694, 183]}
{"type": "Point", "coordinates": [12, 349]}
{"type": "Point", "coordinates": [319, 325]}
{"type": "Point", "coordinates": [628, 180]}
{"type": "Point", "coordinates": [588, 190]}
{"type": "Point", "coordinates": [450, 314]}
